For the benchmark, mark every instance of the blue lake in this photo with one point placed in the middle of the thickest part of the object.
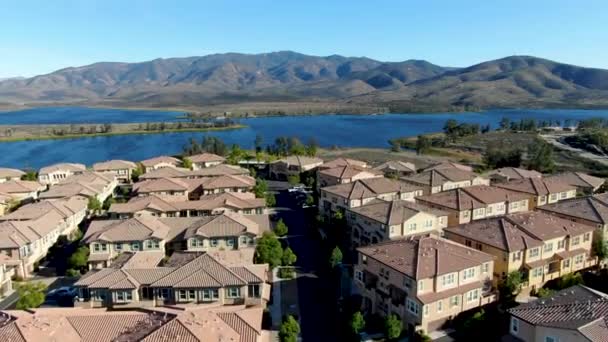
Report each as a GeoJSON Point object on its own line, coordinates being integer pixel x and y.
{"type": "Point", "coordinates": [328, 130]}
{"type": "Point", "coordinates": [82, 115]}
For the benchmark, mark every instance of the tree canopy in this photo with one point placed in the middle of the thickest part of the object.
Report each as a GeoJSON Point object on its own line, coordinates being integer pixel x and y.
{"type": "Point", "coordinates": [289, 257]}
{"type": "Point", "coordinates": [31, 295]}
{"type": "Point", "coordinates": [423, 144]}
{"type": "Point", "coordinates": [289, 330]}
{"type": "Point", "coordinates": [336, 257]}
{"type": "Point", "coordinates": [540, 156]}
{"type": "Point", "coordinates": [281, 228]}
{"type": "Point", "coordinates": [260, 188]}
{"type": "Point", "coordinates": [269, 250]}
{"type": "Point", "coordinates": [392, 327]}
{"type": "Point", "coordinates": [357, 322]}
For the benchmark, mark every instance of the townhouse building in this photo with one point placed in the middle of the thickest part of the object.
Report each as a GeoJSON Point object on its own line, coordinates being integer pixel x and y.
{"type": "Point", "coordinates": [183, 189]}
{"type": "Point", "coordinates": [345, 174]}
{"type": "Point", "coordinates": [160, 162]}
{"type": "Point", "coordinates": [541, 190]}
{"type": "Point", "coordinates": [475, 203]}
{"type": "Point", "coordinates": [205, 160]}
{"type": "Point", "coordinates": [438, 180]}
{"type": "Point", "coordinates": [27, 233]}
{"type": "Point", "coordinates": [339, 198]}
{"type": "Point", "coordinates": [7, 271]}
{"type": "Point", "coordinates": [574, 314]}
{"type": "Point", "coordinates": [506, 174]}
{"type": "Point", "coordinates": [87, 184]}
{"type": "Point", "coordinates": [342, 162]}
{"type": "Point", "coordinates": [380, 221]}
{"type": "Point", "coordinates": [293, 166]}
{"type": "Point", "coordinates": [396, 169]}
{"type": "Point", "coordinates": [208, 323]}
{"type": "Point", "coordinates": [56, 173]}
{"type": "Point", "coordinates": [584, 183]}
{"type": "Point", "coordinates": [237, 202]}
{"type": "Point", "coordinates": [122, 170]}
{"type": "Point", "coordinates": [165, 172]}
{"type": "Point", "coordinates": [425, 280]}
{"type": "Point", "coordinates": [211, 171]}
{"type": "Point", "coordinates": [7, 174]}
{"type": "Point", "coordinates": [186, 278]}
{"type": "Point", "coordinates": [540, 246]}
{"type": "Point", "coordinates": [22, 191]}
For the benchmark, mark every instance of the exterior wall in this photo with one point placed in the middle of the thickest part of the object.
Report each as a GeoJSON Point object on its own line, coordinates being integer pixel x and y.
{"type": "Point", "coordinates": [113, 249]}
{"type": "Point", "coordinates": [491, 210]}
{"type": "Point", "coordinates": [221, 243]}
{"type": "Point", "coordinates": [169, 196]}
{"type": "Point", "coordinates": [160, 166]}
{"type": "Point", "coordinates": [122, 175]}
{"type": "Point", "coordinates": [532, 333]}
{"type": "Point", "coordinates": [327, 180]}
{"type": "Point", "coordinates": [54, 177]}
{"type": "Point", "coordinates": [198, 166]}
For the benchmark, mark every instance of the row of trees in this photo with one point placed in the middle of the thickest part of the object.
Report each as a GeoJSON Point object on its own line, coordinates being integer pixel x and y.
{"type": "Point", "coordinates": [282, 146]}
{"type": "Point", "coordinates": [89, 129]}
{"type": "Point", "coordinates": [539, 156]}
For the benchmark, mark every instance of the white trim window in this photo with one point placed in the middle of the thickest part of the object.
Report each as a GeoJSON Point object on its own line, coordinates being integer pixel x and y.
{"type": "Point", "coordinates": [425, 310]}
{"type": "Point", "coordinates": [448, 279]}
{"type": "Point", "coordinates": [420, 285]}
{"type": "Point", "coordinates": [359, 275]}
{"type": "Point", "coordinates": [514, 328]}
{"type": "Point", "coordinates": [472, 295]}
{"type": "Point", "coordinates": [534, 252]}
{"type": "Point", "coordinates": [124, 296]}
{"type": "Point", "coordinates": [412, 307]}
{"type": "Point", "coordinates": [440, 306]}
{"type": "Point", "coordinates": [233, 292]}
{"type": "Point", "coordinates": [468, 274]}
{"type": "Point", "coordinates": [454, 301]}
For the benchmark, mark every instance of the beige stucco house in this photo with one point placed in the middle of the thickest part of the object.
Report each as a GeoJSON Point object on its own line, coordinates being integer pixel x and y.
{"type": "Point", "coordinates": [584, 183]}
{"type": "Point", "coordinates": [506, 174]}
{"type": "Point", "coordinates": [7, 174]}
{"type": "Point", "coordinates": [293, 166]}
{"type": "Point", "coordinates": [22, 191]}
{"type": "Point", "coordinates": [345, 174]}
{"type": "Point", "coordinates": [396, 168]}
{"type": "Point", "coordinates": [541, 190]}
{"type": "Point", "coordinates": [160, 162]}
{"type": "Point", "coordinates": [57, 173]}
{"type": "Point", "coordinates": [87, 184]}
{"type": "Point", "coordinates": [425, 280]}
{"type": "Point", "coordinates": [205, 160]}
{"type": "Point", "coordinates": [120, 169]}
{"type": "Point", "coordinates": [438, 180]}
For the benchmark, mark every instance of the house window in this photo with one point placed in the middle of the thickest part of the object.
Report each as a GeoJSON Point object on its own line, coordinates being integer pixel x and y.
{"type": "Point", "coordinates": [428, 223]}
{"type": "Point", "coordinates": [468, 243]}
{"type": "Point", "coordinates": [412, 307]}
{"type": "Point", "coordinates": [359, 275]}
{"type": "Point", "coordinates": [517, 256]}
{"type": "Point", "coordinates": [534, 252]}
{"type": "Point", "coordinates": [364, 259]}
{"type": "Point", "coordinates": [425, 310]}
{"type": "Point", "coordinates": [421, 285]}
{"type": "Point", "coordinates": [448, 279]}
{"type": "Point", "coordinates": [213, 242]}
{"type": "Point", "coordinates": [514, 325]}
{"type": "Point", "coordinates": [163, 293]}
{"type": "Point", "coordinates": [195, 242]}
{"type": "Point", "coordinates": [454, 301]}
{"type": "Point", "coordinates": [124, 296]}
{"type": "Point", "coordinates": [472, 295]}
{"type": "Point", "coordinates": [537, 272]}
{"type": "Point", "coordinates": [548, 247]}
{"type": "Point", "coordinates": [586, 237]}
{"type": "Point", "coordinates": [412, 227]}
{"type": "Point", "coordinates": [561, 244]}
{"type": "Point", "coordinates": [135, 246]}
{"type": "Point", "coordinates": [230, 242]}
{"type": "Point", "coordinates": [183, 295]}
{"type": "Point", "coordinates": [576, 241]}
{"type": "Point", "coordinates": [440, 306]}
{"type": "Point", "coordinates": [468, 273]}
{"type": "Point", "coordinates": [118, 247]}
{"type": "Point", "coordinates": [485, 267]}
{"type": "Point", "coordinates": [233, 292]}
{"type": "Point", "coordinates": [566, 263]}
{"type": "Point", "coordinates": [209, 294]}
{"type": "Point", "coordinates": [253, 291]}
{"type": "Point", "coordinates": [553, 197]}
{"type": "Point", "coordinates": [563, 195]}
{"type": "Point", "coordinates": [578, 259]}
{"type": "Point", "coordinates": [465, 214]}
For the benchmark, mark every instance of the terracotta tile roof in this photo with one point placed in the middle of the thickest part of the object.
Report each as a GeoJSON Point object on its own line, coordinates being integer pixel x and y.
{"type": "Point", "coordinates": [247, 332]}
{"type": "Point", "coordinates": [72, 167]}
{"type": "Point", "coordinates": [578, 179]}
{"type": "Point", "coordinates": [570, 254]}
{"type": "Point", "coordinates": [519, 231]}
{"type": "Point", "coordinates": [116, 164]}
{"type": "Point", "coordinates": [397, 166]}
{"type": "Point", "coordinates": [370, 188]}
{"type": "Point", "coordinates": [427, 256]}
{"type": "Point", "coordinates": [448, 165]}
{"type": "Point", "coordinates": [227, 199]}
{"type": "Point", "coordinates": [163, 184]}
{"type": "Point", "coordinates": [65, 207]}
{"type": "Point", "coordinates": [87, 184]}
{"type": "Point", "coordinates": [19, 186]}
{"type": "Point", "coordinates": [537, 186]}
{"type": "Point", "coordinates": [342, 162]}
{"type": "Point", "coordinates": [201, 272]}
{"type": "Point", "coordinates": [165, 172]}
{"type": "Point", "coordinates": [147, 276]}
{"type": "Point", "coordinates": [225, 224]}
{"type": "Point", "coordinates": [159, 160]}
{"type": "Point", "coordinates": [136, 204]}
{"type": "Point", "coordinates": [394, 212]}
{"type": "Point", "coordinates": [10, 173]}
{"type": "Point", "coordinates": [227, 181]}
{"type": "Point", "coordinates": [591, 208]}
{"type": "Point", "coordinates": [247, 275]}
{"type": "Point", "coordinates": [472, 197]}
{"type": "Point", "coordinates": [440, 177]}
{"type": "Point", "coordinates": [301, 161]}
{"type": "Point", "coordinates": [17, 233]}
{"type": "Point", "coordinates": [217, 170]}
{"type": "Point", "coordinates": [133, 229]}
{"type": "Point", "coordinates": [172, 331]}
{"type": "Point", "coordinates": [205, 158]}
{"type": "Point", "coordinates": [512, 173]}
{"type": "Point", "coordinates": [348, 171]}
{"type": "Point", "coordinates": [575, 308]}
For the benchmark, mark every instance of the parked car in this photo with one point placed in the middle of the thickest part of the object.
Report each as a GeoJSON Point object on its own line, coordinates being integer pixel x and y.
{"type": "Point", "coordinates": [64, 291]}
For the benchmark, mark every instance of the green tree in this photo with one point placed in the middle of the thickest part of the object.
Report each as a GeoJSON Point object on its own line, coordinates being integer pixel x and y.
{"type": "Point", "coordinates": [235, 155]}
{"type": "Point", "coordinates": [31, 295]}
{"type": "Point", "coordinates": [423, 144]}
{"type": "Point", "coordinates": [569, 280]}
{"type": "Point", "coordinates": [510, 287]}
{"type": "Point", "coordinates": [187, 163]}
{"type": "Point", "coordinates": [289, 330]}
{"type": "Point", "coordinates": [271, 201]}
{"type": "Point", "coordinates": [336, 257]}
{"type": "Point", "coordinates": [269, 250]}
{"type": "Point", "coordinates": [94, 205]}
{"type": "Point", "coordinates": [289, 257]}
{"type": "Point", "coordinates": [281, 228]}
{"type": "Point", "coordinates": [540, 156]}
{"type": "Point", "coordinates": [293, 179]}
{"type": "Point", "coordinates": [497, 156]}
{"type": "Point", "coordinates": [600, 248]}
{"type": "Point", "coordinates": [108, 202]}
{"type": "Point", "coordinates": [310, 200]}
{"type": "Point", "coordinates": [259, 140]}
{"type": "Point", "coordinates": [392, 327]}
{"type": "Point", "coordinates": [260, 188]}
{"type": "Point", "coordinates": [395, 145]}
{"type": "Point", "coordinates": [78, 260]}
{"type": "Point", "coordinates": [504, 123]}
{"type": "Point", "coordinates": [357, 323]}
{"type": "Point", "coordinates": [311, 147]}
{"type": "Point", "coordinates": [30, 175]}
{"type": "Point", "coordinates": [137, 172]}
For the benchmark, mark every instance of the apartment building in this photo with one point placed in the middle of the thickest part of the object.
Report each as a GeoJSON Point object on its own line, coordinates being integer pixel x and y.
{"type": "Point", "coordinates": [86, 184]}
{"type": "Point", "coordinates": [160, 162]}
{"type": "Point", "coordinates": [7, 271]}
{"type": "Point", "coordinates": [584, 183]}
{"type": "Point", "coordinates": [22, 191]}
{"type": "Point", "coordinates": [396, 169]}
{"type": "Point", "coordinates": [211, 171]}
{"type": "Point", "coordinates": [208, 323]}
{"type": "Point", "coordinates": [165, 172]}
{"type": "Point", "coordinates": [237, 202]}
{"type": "Point", "coordinates": [438, 180]}
{"type": "Point", "coordinates": [224, 232]}
{"type": "Point", "coordinates": [575, 314]}
{"type": "Point", "coordinates": [355, 194]}
{"type": "Point", "coordinates": [476, 202]}
{"type": "Point", "coordinates": [186, 278]}
{"type": "Point", "coordinates": [506, 174]}
{"type": "Point", "coordinates": [57, 173]}
{"type": "Point", "coordinates": [342, 162]}
{"type": "Point", "coordinates": [292, 166]}
{"type": "Point", "coordinates": [541, 190]}
{"type": "Point", "coordinates": [541, 246]}
{"type": "Point", "coordinates": [345, 174]}
{"type": "Point", "coordinates": [382, 220]}
{"type": "Point", "coordinates": [27, 233]}
{"type": "Point", "coordinates": [183, 189]}
{"type": "Point", "coordinates": [120, 169]}
{"type": "Point", "coordinates": [205, 160]}
{"type": "Point", "coordinates": [7, 174]}
{"type": "Point", "coordinates": [424, 280]}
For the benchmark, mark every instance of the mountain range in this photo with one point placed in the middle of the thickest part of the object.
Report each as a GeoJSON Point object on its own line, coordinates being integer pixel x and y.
{"type": "Point", "coordinates": [236, 80]}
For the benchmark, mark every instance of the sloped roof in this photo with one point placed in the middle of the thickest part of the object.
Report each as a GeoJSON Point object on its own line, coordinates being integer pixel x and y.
{"type": "Point", "coordinates": [578, 179]}
{"type": "Point", "coordinates": [217, 170]}
{"type": "Point", "coordinates": [519, 231]}
{"type": "Point", "coordinates": [225, 224]}
{"type": "Point", "coordinates": [537, 186]}
{"type": "Point", "coordinates": [66, 207]}
{"type": "Point", "coordinates": [159, 160]}
{"type": "Point", "coordinates": [369, 188]}
{"type": "Point", "coordinates": [165, 172]}
{"type": "Point", "coordinates": [115, 164]}
{"type": "Point", "coordinates": [136, 204]}
{"type": "Point", "coordinates": [205, 158]}
{"type": "Point", "coordinates": [396, 165]}
{"type": "Point", "coordinates": [342, 162]}
{"type": "Point", "coordinates": [227, 181]}
{"type": "Point", "coordinates": [201, 272]}
{"type": "Point", "coordinates": [19, 186]}
{"type": "Point", "coordinates": [162, 184]}
{"type": "Point", "coordinates": [441, 176]}
{"type": "Point", "coordinates": [301, 161]}
{"type": "Point", "coordinates": [472, 197]}
{"type": "Point", "coordinates": [591, 208]}
{"type": "Point", "coordinates": [448, 165]}
{"type": "Point", "coordinates": [349, 171]}
{"type": "Point", "coordinates": [425, 256]}
{"type": "Point", "coordinates": [14, 234]}
{"type": "Point", "coordinates": [72, 167]}
{"type": "Point", "coordinates": [133, 229]}
{"type": "Point", "coordinates": [394, 212]}
{"type": "Point", "coordinates": [512, 173]}
{"type": "Point", "coordinates": [10, 173]}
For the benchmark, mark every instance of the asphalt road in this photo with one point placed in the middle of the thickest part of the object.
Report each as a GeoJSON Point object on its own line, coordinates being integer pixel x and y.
{"type": "Point", "coordinates": [314, 294]}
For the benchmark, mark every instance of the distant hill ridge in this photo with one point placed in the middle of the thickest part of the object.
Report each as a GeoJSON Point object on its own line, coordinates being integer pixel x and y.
{"type": "Point", "coordinates": [286, 76]}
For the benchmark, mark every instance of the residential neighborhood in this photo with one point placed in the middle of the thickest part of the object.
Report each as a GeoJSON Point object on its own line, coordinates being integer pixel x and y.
{"type": "Point", "coordinates": [424, 248]}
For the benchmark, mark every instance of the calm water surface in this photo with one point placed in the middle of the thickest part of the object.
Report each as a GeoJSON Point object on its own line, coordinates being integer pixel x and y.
{"type": "Point", "coordinates": [82, 115]}
{"type": "Point", "coordinates": [328, 130]}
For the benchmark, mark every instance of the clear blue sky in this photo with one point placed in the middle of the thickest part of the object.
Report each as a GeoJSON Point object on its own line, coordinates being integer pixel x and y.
{"type": "Point", "coordinates": [41, 36]}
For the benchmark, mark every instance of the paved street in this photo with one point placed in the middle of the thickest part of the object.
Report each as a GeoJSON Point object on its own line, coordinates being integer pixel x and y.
{"type": "Point", "coordinates": [316, 308]}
